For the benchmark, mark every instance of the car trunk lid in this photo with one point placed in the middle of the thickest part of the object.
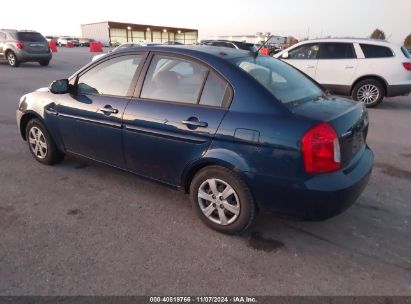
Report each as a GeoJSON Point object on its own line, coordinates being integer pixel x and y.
{"type": "Point", "coordinates": [348, 118]}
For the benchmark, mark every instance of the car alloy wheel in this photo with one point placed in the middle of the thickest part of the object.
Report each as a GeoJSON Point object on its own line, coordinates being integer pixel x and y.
{"type": "Point", "coordinates": [368, 94]}
{"type": "Point", "coordinates": [11, 58]}
{"type": "Point", "coordinates": [218, 201]}
{"type": "Point", "coordinates": [38, 143]}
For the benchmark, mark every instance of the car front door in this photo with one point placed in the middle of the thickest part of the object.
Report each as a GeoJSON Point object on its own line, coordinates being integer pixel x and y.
{"type": "Point", "coordinates": [337, 65]}
{"type": "Point", "coordinates": [304, 57]}
{"type": "Point", "coordinates": [174, 117]}
{"type": "Point", "coordinates": [90, 119]}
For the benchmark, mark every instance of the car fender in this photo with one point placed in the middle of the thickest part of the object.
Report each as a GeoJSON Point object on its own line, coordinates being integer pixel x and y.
{"type": "Point", "coordinates": [217, 157]}
{"type": "Point", "coordinates": [40, 104]}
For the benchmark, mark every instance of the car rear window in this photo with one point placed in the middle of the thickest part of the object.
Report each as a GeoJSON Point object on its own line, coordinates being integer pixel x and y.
{"type": "Point", "coordinates": [286, 83]}
{"type": "Point", "coordinates": [30, 37]}
{"type": "Point", "coordinates": [376, 51]}
{"type": "Point", "coordinates": [406, 52]}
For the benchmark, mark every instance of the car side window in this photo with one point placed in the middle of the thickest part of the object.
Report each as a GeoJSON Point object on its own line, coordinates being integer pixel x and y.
{"type": "Point", "coordinates": [376, 51]}
{"type": "Point", "coordinates": [306, 51]}
{"type": "Point", "coordinates": [216, 91]}
{"type": "Point", "coordinates": [173, 79]}
{"type": "Point", "coordinates": [336, 51]}
{"type": "Point", "coordinates": [112, 77]}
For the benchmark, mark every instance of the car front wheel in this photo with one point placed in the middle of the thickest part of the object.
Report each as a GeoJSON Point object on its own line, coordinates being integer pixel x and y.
{"type": "Point", "coordinates": [41, 145]}
{"type": "Point", "coordinates": [370, 92]}
{"type": "Point", "coordinates": [222, 200]}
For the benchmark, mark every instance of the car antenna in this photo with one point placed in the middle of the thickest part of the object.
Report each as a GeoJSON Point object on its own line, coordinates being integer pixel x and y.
{"type": "Point", "coordinates": [263, 45]}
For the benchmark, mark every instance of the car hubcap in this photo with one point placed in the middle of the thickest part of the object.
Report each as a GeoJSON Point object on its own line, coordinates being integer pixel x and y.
{"type": "Point", "coordinates": [11, 59]}
{"type": "Point", "coordinates": [38, 143]}
{"type": "Point", "coordinates": [218, 201]}
{"type": "Point", "coordinates": [368, 94]}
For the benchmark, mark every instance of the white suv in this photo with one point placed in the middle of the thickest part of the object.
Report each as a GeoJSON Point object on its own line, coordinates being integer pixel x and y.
{"type": "Point", "coordinates": [366, 69]}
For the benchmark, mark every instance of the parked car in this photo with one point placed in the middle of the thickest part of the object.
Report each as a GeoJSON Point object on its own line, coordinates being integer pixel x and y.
{"type": "Point", "coordinates": [366, 69]}
{"type": "Point", "coordinates": [240, 133]}
{"type": "Point", "coordinates": [125, 46]}
{"type": "Point", "coordinates": [85, 41]}
{"type": "Point", "coordinates": [231, 44]}
{"type": "Point", "coordinates": [24, 46]}
{"type": "Point", "coordinates": [173, 43]}
{"type": "Point", "coordinates": [50, 38]}
{"type": "Point", "coordinates": [62, 41]}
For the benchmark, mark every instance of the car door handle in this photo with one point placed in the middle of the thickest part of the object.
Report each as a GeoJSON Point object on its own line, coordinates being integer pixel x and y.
{"type": "Point", "coordinates": [349, 67]}
{"type": "Point", "coordinates": [310, 66]}
{"type": "Point", "coordinates": [108, 110]}
{"type": "Point", "coordinates": [195, 123]}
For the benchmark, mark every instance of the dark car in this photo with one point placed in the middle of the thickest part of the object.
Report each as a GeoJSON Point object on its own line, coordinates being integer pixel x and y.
{"type": "Point", "coordinates": [85, 42]}
{"type": "Point", "coordinates": [24, 46]}
{"type": "Point", "coordinates": [240, 133]}
{"type": "Point", "coordinates": [231, 44]}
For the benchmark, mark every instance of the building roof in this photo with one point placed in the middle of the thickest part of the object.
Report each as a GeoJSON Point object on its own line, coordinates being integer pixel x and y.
{"type": "Point", "coordinates": [144, 27]}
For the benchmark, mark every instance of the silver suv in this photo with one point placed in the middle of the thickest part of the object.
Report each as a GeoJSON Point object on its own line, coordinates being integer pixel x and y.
{"type": "Point", "coordinates": [24, 46]}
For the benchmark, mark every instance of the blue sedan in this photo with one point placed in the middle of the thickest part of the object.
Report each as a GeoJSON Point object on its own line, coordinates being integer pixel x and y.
{"type": "Point", "coordinates": [240, 132]}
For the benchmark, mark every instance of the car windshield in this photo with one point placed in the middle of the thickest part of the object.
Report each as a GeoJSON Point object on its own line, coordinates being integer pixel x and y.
{"type": "Point", "coordinates": [30, 37]}
{"type": "Point", "coordinates": [287, 84]}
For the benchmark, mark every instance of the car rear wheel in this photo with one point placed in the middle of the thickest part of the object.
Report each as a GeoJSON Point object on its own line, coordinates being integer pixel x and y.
{"type": "Point", "coordinates": [12, 59]}
{"type": "Point", "coordinates": [41, 145]}
{"type": "Point", "coordinates": [222, 200]}
{"type": "Point", "coordinates": [44, 62]}
{"type": "Point", "coordinates": [371, 92]}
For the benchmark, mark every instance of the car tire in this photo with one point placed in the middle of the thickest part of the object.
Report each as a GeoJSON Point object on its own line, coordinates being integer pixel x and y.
{"type": "Point", "coordinates": [41, 145]}
{"type": "Point", "coordinates": [44, 62]}
{"type": "Point", "coordinates": [371, 92]}
{"type": "Point", "coordinates": [222, 200]}
{"type": "Point", "coordinates": [12, 59]}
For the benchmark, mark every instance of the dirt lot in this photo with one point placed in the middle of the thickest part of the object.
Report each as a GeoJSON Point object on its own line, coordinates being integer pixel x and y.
{"type": "Point", "coordinates": [79, 228]}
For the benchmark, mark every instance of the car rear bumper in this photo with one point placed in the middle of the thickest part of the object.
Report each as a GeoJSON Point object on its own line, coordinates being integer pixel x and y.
{"type": "Point", "coordinates": [320, 197]}
{"type": "Point", "coordinates": [398, 90]}
{"type": "Point", "coordinates": [27, 57]}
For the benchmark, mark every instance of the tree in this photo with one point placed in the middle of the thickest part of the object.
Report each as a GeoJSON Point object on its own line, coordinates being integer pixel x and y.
{"type": "Point", "coordinates": [407, 41]}
{"type": "Point", "coordinates": [378, 34]}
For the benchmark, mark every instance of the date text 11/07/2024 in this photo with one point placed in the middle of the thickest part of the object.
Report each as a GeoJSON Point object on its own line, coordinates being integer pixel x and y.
{"type": "Point", "coordinates": [240, 299]}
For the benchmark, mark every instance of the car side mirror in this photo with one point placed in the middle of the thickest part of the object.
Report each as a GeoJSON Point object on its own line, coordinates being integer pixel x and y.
{"type": "Point", "coordinates": [284, 55]}
{"type": "Point", "coordinates": [60, 86]}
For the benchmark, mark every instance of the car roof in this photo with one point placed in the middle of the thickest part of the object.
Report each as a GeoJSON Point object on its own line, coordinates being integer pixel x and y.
{"type": "Point", "coordinates": [353, 40]}
{"type": "Point", "coordinates": [221, 52]}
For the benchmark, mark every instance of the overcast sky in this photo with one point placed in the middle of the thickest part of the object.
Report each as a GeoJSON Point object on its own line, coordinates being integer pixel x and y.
{"type": "Point", "coordinates": [338, 18]}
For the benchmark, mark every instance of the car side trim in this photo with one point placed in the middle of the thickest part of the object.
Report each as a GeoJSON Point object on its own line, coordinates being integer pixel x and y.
{"type": "Point", "coordinates": [168, 135]}
{"type": "Point", "coordinates": [94, 121]}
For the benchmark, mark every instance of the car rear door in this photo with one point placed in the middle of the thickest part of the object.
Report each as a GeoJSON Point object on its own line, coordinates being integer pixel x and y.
{"type": "Point", "coordinates": [337, 64]}
{"type": "Point", "coordinates": [173, 118]}
{"type": "Point", "coordinates": [90, 120]}
{"type": "Point", "coordinates": [304, 57]}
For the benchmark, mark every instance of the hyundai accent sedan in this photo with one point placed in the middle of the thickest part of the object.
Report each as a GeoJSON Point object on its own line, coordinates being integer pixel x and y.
{"type": "Point", "coordinates": [239, 132]}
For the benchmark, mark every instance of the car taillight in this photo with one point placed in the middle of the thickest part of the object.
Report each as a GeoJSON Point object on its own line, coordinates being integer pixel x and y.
{"type": "Point", "coordinates": [321, 149]}
{"type": "Point", "coordinates": [20, 44]}
{"type": "Point", "coordinates": [407, 65]}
